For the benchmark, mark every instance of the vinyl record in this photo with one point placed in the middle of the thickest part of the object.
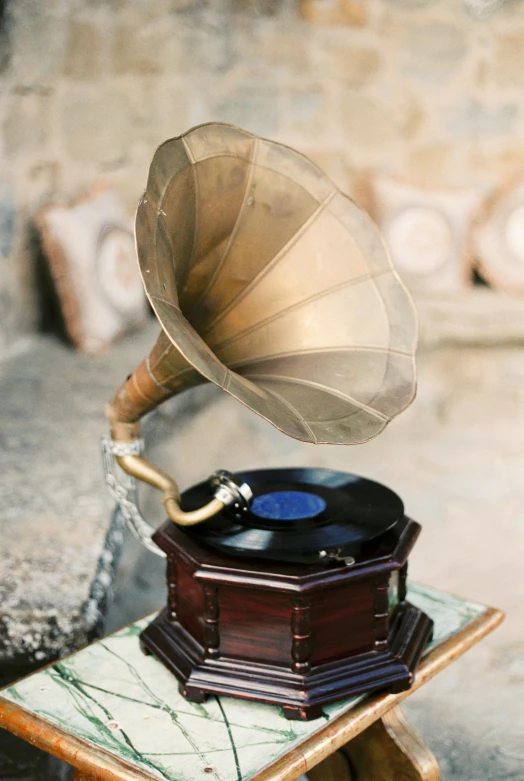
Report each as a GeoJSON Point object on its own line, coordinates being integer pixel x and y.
{"type": "Point", "coordinates": [302, 515]}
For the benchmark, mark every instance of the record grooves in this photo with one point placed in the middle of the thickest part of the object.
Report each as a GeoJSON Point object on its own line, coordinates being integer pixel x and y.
{"type": "Point", "coordinates": [302, 515]}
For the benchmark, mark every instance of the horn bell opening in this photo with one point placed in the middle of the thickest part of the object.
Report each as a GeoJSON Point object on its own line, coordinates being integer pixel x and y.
{"type": "Point", "coordinates": [275, 286]}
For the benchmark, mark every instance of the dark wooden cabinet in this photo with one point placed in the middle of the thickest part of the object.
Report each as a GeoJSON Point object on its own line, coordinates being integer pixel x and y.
{"type": "Point", "coordinates": [295, 635]}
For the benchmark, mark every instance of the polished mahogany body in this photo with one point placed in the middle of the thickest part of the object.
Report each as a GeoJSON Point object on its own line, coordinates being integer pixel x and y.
{"type": "Point", "coordinates": [294, 635]}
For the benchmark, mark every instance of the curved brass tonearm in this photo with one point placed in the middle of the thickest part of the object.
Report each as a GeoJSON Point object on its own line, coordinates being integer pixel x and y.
{"type": "Point", "coordinates": [139, 467]}
{"type": "Point", "coordinates": [126, 447]}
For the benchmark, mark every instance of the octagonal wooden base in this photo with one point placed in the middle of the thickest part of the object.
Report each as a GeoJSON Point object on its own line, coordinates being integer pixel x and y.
{"type": "Point", "coordinates": [287, 634]}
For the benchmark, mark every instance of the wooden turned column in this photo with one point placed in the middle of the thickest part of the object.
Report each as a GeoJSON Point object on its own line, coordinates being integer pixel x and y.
{"type": "Point", "coordinates": [301, 636]}
{"type": "Point", "coordinates": [211, 619]}
{"type": "Point", "coordinates": [403, 583]}
{"type": "Point", "coordinates": [171, 589]}
{"type": "Point", "coordinates": [381, 611]}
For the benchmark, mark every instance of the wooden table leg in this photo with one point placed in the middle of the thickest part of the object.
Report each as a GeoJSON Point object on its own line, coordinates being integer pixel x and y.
{"type": "Point", "coordinates": [333, 768]}
{"type": "Point", "coordinates": [79, 776]}
{"type": "Point", "coordinates": [389, 750]}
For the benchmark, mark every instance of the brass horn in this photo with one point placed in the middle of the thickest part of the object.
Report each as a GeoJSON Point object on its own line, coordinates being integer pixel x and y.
{"type": "Point", "coordinates": [271, 283]}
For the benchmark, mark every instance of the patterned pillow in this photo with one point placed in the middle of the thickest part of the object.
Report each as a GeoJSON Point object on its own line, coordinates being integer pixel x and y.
{"type": "Point", "coordinates": [426, 230]}
{"type": "Point", "coordinates": [498, 238]}
{"type": "Point", "coordinates": [91, 252]}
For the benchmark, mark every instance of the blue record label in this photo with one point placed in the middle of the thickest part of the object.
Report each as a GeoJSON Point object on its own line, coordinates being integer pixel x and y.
{"type": "Point", "coordinates": [288, 505]}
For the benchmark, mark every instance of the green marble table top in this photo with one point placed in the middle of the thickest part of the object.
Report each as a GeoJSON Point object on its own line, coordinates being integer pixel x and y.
{"type": "Point", "coordinates": [114, 697]}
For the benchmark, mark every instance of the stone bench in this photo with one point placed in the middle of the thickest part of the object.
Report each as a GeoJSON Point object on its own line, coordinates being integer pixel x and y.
{"type": "Point", "coordinates": [61, 540]}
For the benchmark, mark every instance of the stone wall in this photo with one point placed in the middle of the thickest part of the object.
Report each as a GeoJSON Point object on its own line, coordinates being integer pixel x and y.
{"type": "Point", "coordinates": [430, 90]}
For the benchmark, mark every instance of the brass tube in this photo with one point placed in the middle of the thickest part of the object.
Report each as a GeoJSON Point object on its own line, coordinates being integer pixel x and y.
{"type": "Point", "coordinates": [191, 518]}
{"type": "Point", "coordinates": [144, 470]}
{"type": "Point", "coordinates": [141, 392]}
{"type": "Point", "coordinates": [139, 467]}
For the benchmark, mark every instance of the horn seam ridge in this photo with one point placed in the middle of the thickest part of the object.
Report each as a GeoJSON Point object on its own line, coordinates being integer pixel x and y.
{"type": "Point", "coordinates": [297, 414]}
{"type": "Point", "coordinates": [249, 376]}
{"type": "Point", "coordinates": [235, 365]}
{"type": "Point", "coordinates": [140, 391]}
{"type": "Point", "coordinates": [273, 263]}
{"type": "Point", "coordinates": [189, 151]}
{"type": "Point", "coordinates": [299, 381]}
{"type": "Point", "coordinates": [157, 383]}
{"type": "Point", "coordinates": [275, 169]}
{"type": "Point", "coordinates": [220, 265]}
{"type": "Point", "coordinates": [194, 167]}
{"type": "Point", "coordinates": [180, 374]}
{"type": "Point", "coordinates": [316, 297]}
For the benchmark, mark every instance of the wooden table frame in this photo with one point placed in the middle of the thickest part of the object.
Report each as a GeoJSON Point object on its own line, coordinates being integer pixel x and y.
{"type": "Point", "coordinates": [373, 736]}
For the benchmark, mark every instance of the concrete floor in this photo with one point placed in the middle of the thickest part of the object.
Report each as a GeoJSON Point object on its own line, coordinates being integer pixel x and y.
{"type": "Point", "coordinates": [457, 460]}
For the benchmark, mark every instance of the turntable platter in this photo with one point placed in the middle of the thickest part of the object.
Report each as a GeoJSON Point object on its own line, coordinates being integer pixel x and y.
{"type": "Point", "coordinates": [299, 515]}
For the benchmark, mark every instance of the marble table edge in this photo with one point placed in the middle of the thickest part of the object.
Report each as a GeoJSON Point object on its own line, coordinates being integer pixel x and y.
{"type": "Point", "coordinates": [101, 764]}
{"type": "Point", "coordinates": [352, 722]}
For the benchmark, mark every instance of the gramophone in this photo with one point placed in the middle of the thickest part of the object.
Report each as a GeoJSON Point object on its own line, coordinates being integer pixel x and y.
{"type": "Point", "coordinates": [286, 586]}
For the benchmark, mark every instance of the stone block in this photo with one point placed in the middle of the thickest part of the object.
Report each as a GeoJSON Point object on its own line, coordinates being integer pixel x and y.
{"type": "Point", "coordinates": [211, 49]}
{"type": "Point", "coordinates": [508, 66]}
{"type": "Point", "coordinates": [429, 165]}
{"type": "Point", "coordinates": [251, 108]}
{"type": "Point", "coordinates": [254, 7]}
{"type": "Point", "coordinates": [8, 308]}
{"type": "Point", "coordinates": [305, 109]}
{"type": "Point", "coordinates": [38, 39]}
{"type": "Point", "coordinates": [470, 117]}
{"type": "Point", "coordinates": [355, 65]}
{"type": "Point", "coordinates": [138, 8]}
{"type": "Point", "coordinates": [83, 59]}
{"type": "Point", "coordinates": [25, 125]}
{"type": "Point", "coordinates": [287, 50]}
{"type": "Point", "coordinates": [409, 114]}
{"type": "Point", "coordinates": [335, 12]}
{"type": "Point", "coordinates": [479, 316]}
{"type": "Point", "coordinates": [365, 121]}
{"type": "Point", "coordinates": [508, 159]}
{"type": "Point", "coordinates": [95, 124]}
{"type": "Point", "coordinates": [7, 219]}
{"type": "Point", "coordinates": [168, 115]}
{"type": "Point", "coordinates": [137, 51]}
{"type": "Point", "coordinates": [371, 122]}
{"type": "Point", "coordinates": [189, 6]}
{"type": "Point", "coordinates": [432, 50]}
{"type": "Point", "coordinates": [41, 183]}
{"type": "Point", "coordinates": [5, 48]}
